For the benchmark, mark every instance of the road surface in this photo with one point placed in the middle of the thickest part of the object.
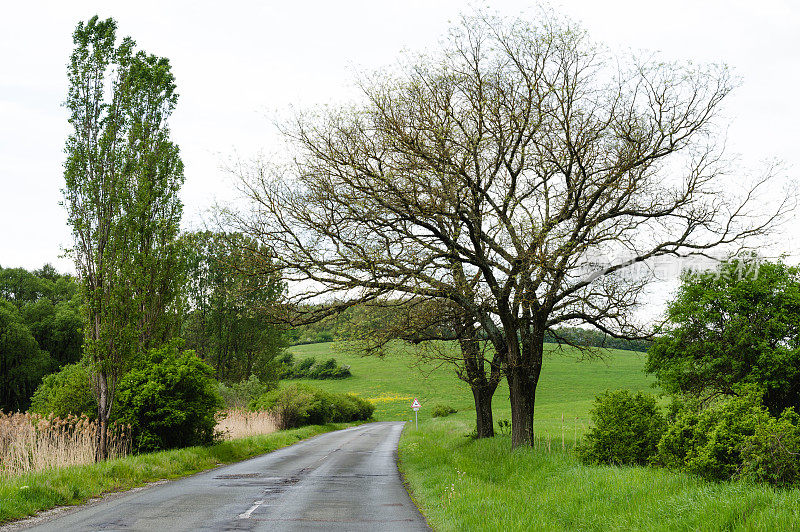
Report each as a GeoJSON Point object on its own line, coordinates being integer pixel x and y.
{"type": "Point", "coordinates": [343, 480]}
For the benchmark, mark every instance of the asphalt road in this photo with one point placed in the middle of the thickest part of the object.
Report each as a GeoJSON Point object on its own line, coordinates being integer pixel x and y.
{"type": "Point", "coordinates": [343, 480]}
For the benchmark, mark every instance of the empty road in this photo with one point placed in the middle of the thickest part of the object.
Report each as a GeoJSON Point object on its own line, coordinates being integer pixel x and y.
{"type": "Point", "coordinates": [344, 480]}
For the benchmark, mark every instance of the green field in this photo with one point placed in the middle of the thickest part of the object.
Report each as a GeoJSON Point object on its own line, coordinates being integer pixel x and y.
{"type": "Point", "coordinates": [463, 484]}
{"type": "Point", "coordinates": [567, 386]}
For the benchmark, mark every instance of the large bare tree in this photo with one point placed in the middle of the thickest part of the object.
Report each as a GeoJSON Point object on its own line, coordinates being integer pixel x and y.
{"type": "Point", "coordinates": [546, 170]}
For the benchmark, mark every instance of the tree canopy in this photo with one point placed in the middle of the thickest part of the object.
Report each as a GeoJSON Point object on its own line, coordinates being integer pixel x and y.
{"type": "Point", "coordinates": [738, 325]}
{"type": "Point", "coordinates": [522, 173]}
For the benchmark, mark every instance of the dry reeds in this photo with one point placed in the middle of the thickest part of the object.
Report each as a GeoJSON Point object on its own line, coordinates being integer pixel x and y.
{"type": "Point", "coordinates": [30, 442]}
{"type": "Point", "coordinates": [240, 423]}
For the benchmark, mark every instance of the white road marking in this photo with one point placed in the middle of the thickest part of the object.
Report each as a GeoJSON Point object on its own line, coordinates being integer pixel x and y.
{"type": "Point", "coordinates": [252, 509]}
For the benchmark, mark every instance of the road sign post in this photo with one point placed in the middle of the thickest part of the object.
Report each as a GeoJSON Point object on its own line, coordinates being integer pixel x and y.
{"type": "Point", "coordinates": [416, 406]}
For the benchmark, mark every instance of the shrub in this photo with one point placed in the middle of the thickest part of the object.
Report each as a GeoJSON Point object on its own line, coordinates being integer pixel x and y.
{"type": "Point", "coordinates": [772, 453]}
{"type": "Point", "coordinates": [300, 404]}
{"type": "Point", "coordinates": [170, 399]}
{"type": "Point", "coordinates": [295, 406]}
{"type": "Point", "coordinates": [626, 429]}
{"type": "Point", "coordinates": [308, 368]}
{"type": "Point", "coordinates": [241, 394]}
{"type": "Point", "coordinates": [68, 392]}
{"type": "Point", "coordinates": [442, 411]}
{"type": "Point", "coordinates": [709, 442]}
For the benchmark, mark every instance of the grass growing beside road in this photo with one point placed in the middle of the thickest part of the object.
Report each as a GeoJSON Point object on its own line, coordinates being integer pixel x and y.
{"type": "Point", "coordinates": [27, 494]}
{"type": "Point", "coordinates": [464, 484]}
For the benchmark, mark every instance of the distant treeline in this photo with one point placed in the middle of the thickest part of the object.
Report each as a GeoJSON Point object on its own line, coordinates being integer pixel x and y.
{"type": "Point", "coordinates": [340, 327]}
{"type": "Point", "coordinates": [593, 338]}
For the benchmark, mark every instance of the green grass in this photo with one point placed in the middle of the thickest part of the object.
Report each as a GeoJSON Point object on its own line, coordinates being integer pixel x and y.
{"type": "Point", "coordinates": [25, 495]}
{"type": "Point", "coordinates": [567, 386]}
{"type": "Point", "coordinates": [465, 484]}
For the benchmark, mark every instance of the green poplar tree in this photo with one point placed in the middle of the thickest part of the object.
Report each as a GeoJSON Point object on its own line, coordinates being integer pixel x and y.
{"type": "Point", "coordinates": [122, 177]}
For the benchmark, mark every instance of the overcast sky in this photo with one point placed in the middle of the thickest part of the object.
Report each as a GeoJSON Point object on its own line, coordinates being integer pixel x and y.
{"type": "Point", "coordinates": [238, 64]}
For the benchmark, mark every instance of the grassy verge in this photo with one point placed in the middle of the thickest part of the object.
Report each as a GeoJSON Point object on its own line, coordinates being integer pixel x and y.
{"type": "Point", "coordinates": [25, 495]}
{"type": "Point", "coordinates": [463, 484]}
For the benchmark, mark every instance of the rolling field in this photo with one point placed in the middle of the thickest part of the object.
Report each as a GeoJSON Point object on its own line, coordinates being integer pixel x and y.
{"type": "Point", "coordinates": [567, 386]}
{"type": "Point", "coordinates": [465, 484]}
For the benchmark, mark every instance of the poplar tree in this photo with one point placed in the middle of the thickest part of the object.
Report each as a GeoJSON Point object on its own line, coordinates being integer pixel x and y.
{"type": "Point", "coordinates": [122, 177]}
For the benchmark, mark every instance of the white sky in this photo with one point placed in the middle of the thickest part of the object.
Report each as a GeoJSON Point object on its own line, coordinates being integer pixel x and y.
{"type": "Point", "coordinates": [238, 63]}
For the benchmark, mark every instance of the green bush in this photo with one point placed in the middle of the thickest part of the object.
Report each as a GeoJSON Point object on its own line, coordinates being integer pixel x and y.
{"type": "Point", "coordinates": [170, 399]}
{"type": "Point", "coordinates": [67, 392]}
{"type": "Point", "coordinates": [309, 368]}
{"type": "Point", "coordinates": [300, 404]}
{"type": "Point", "coordinates": [241, 394]}
{"type": "Point", "coordinates": [626, 429]}
{"type": "Point", "coordinates": [772, 453]}
{"type": "Point", "coordinates": [442, 411]}
{"type": "Point", "coordinates": [304, 366]}
{"type": "Point", "coordinates": [709, 442]}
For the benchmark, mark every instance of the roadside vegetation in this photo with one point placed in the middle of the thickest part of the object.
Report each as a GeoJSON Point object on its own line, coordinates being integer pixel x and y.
{"type": "Point", "coordinates": [24, 495]}
{"type": "Point", "coordinates": [466, 484]}
{"type": "Point", "coordinates": [489, 291]}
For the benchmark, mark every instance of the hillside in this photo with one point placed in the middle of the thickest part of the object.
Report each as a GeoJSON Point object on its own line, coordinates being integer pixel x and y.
{"type": "Point", "coordinates": [568, 385]}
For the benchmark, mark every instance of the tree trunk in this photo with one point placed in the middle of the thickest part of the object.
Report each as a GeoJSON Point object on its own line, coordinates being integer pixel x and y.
{"type": "Point", "coordinates": [103, 414]}
{"type": "Point", "coordinates": [523, 397]}
{"type": "Point", "coordinates": [483, 410]}
{"type": "Point", "coordinates": [483, 386]}
{"type": "Point", "coordinates": [523, 370]}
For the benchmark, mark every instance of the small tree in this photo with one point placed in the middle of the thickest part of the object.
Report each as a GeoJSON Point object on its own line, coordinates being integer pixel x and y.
{"type": "Point", "coordinates": [737, 325]}
{"type": "Point", "coordinates": [626, 429]}
{"type": "Point", "coordinates": [170, 399]}
{"type": "Point", "coordinates": [122, 177]}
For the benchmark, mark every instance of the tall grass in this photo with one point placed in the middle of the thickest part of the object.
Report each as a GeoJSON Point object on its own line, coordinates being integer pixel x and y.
{"type": "Point", "coordinates": [240, 423]}
{"type": "Point", "coordinates": [465, 484]}
{"type": "Point", "coordinates": [31, 442]}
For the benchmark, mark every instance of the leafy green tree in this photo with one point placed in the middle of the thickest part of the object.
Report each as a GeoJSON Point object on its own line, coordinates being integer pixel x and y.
{"type": "Point", "coordinates": [58, 329]}
{"type": "Point", "coordinates": [22, 363]}
{"type": "Point", "coordinates": [21, 286]}
{"type": "Point", "coordinates": [730, 327]}
{"type": "Point", "coordinates": [170, 399]}
{"type": "Point", "coordinates": [50, 306]}
{"type": "Point", "coordinates": [228, 322]}
{"type": "Point", "coordinates": [122, 177]}
{"type": "Point", "coordinates": [67, 392]}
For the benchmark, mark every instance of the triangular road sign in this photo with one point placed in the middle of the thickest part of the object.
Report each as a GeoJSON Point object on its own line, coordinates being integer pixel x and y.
{"type": "Point", "coordinates": [415, 405]}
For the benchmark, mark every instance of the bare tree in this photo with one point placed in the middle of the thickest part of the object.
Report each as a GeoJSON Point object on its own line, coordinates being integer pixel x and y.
{"type": "Point", "coordinates": [546, 169]}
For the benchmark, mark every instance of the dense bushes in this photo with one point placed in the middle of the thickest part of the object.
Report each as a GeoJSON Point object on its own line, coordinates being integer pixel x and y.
{"type": "Point", "coordinates": [708, 442]}
{"type": "Point", "coordinates": [309, 368]}
{"type": "Point", "coordinates": [734, 437]}
{"type": "Point", "coordinates": [442, 411]}
{"type": "Point", "coordinates": [170, 399]}
{"type": "Point", "coordinates": [772, 453]}
{"type": "Point", "coordinates": [67, 392]}
{"type": "Point", "coordinates": [299, 405]}
{"type": "Point", "coordinates": [241, 394]}
{"type": "Point", "coordinates": [626, 429]}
